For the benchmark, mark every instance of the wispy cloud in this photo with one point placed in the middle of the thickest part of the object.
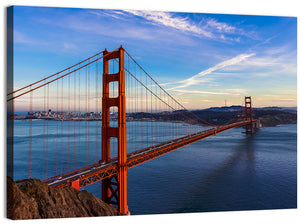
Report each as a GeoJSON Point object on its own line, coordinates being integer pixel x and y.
{"type": "Point", "coordinates": [221, 27]}
{"type": "Point", "coordinates": [198, 78]}
{"type": "Point", "coordinates": [169, 20]}
{"type": "Point", "coordinates": [117, 14]}
{"type": "Point", "coordinates": [23, 38]}
{"type": "Point", "coordinates": [207, 27]}
{"type": "Point", "coordinates": [232, 92]}
{"type": "Point", "coordinates": [269, 63]}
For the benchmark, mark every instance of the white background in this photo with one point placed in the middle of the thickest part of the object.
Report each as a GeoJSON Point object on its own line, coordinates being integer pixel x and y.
{"type": "Point", "coordinates": [253, 7]}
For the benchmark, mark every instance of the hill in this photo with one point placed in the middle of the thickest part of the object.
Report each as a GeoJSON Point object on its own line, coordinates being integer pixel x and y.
{"type": "Point", "coordinates": [36, 200]}
{"type": "Point", "coordinates": [268, 116]}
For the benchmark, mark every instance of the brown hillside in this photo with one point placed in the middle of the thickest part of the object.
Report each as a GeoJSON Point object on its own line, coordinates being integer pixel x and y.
{"type": "Point", "coordinates": [37, 200]}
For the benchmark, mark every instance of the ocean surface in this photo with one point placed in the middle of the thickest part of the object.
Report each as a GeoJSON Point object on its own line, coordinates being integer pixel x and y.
{"type": "Point", "coordinates": [227, 172]}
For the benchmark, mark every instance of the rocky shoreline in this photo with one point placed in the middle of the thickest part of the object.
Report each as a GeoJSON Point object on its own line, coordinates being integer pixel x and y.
{"type": "Point", "coordinates": [37, 200]}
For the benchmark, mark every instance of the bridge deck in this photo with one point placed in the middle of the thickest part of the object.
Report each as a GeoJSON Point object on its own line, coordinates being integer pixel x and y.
{"type": "Point", "coordinates": [97, 172]}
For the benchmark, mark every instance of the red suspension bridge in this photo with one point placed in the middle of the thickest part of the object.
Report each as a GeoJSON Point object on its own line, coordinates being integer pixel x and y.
{"type": "Point", "coordinates": [85, 140]}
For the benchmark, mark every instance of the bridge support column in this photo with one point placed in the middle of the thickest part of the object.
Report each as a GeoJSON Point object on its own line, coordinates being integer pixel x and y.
{"type": "Point", "coordinates": [75, 184]}
{"type": "Point", "coordinates": [248, 115]}
{"type": "Point", "coordinates": [114, 189]}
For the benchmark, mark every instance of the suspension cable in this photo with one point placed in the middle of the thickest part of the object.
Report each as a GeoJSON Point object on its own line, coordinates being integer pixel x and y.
{"type": "Point", "coordinates": [47, 83]}
{"type": "Point", "coordinates": [167, 92]}
{"type": "Point", "coordinates": [54, 74]}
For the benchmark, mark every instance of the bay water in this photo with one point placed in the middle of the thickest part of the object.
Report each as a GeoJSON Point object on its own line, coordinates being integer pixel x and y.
{"type": "Point", "coordinates": [230, 171]}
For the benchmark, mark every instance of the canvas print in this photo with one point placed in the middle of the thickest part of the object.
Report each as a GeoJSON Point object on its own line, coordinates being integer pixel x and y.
{"type": "Point", "coordinates": [135, 112]}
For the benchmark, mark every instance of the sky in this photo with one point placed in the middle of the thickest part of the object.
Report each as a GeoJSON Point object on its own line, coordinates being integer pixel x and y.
{"type": "Point", "coordinates": [203, 60]}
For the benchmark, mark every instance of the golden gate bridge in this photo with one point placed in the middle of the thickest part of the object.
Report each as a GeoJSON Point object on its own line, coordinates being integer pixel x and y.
{"type": "Point", "coordinates": [126, 129]}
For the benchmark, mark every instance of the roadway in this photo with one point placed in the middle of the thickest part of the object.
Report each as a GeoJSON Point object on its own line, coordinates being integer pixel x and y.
{"type": "Point", "coordinates": [101, 170]}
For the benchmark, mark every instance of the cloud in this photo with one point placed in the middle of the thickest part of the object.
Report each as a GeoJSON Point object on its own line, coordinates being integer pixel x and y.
{"type": "Point", "coordinates": [117, 14]}
{"type": "Point", "coordinates": [207, 27]}
{"type": "Point", "coordinates": [203, 92]}
{"type": "Point", "coordinates": [221, 27]}
{"type": "Point", "coordinates": [198, 78]}
{"type": "Point", "coordinates": [167, 19]}
{"type": "Point", "coordinates": [23, 38]}
{"type": "Point", "coordinates": [268, 62]}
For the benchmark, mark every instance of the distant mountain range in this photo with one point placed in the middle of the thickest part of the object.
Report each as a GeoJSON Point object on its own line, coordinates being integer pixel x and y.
{"type": "Point", "coordinates": [237, 108]}
{"type": "Point", "coordinates": [224, 109]}
{"type": "Point", "coordinates": [268, 116]}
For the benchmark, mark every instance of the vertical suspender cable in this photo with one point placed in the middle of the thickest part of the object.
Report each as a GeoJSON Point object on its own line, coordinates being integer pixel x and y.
{"type": "Point", "coordinates": [85, 116]}
{"type": "Point", "coordinates": [135, 102]}
{"type": "Point", "coordinates": [69, 120]}
{"type": "Point", "coordinates": [146, 112]}
{"type": "Point", "coordinates": [79, 119]}
{"type": "Point", "coordinates": [56, 155]}
{"type": "Point", "coordinates": [47, 131]}
{"type": "Point", "coordinates": [97, 112]}
{"type": "Point", "coordinates": [74, 117]}
{"type": "Point", "coordinates": [88, 111]}
{"type": "Point", "coordinates": [61, 127]}
{"type": "Point", "coordinates": [30, 135]}
{"type": "Point", "coordinates": [44, 131]}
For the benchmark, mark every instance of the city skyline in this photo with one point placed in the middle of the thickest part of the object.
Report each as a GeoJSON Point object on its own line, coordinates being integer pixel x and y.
{"type": "Point", "coordinates": [202, 60]}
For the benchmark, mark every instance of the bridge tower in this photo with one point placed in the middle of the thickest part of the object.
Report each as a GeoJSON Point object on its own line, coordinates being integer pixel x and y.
{"type": "Point", "coordinates": [114, 189]}
{"type": "Point", "coordinates": [248, 115]}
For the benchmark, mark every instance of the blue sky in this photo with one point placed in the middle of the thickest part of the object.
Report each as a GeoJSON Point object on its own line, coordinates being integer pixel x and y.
{"type": "Point", "coordinates": [201, 59]}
